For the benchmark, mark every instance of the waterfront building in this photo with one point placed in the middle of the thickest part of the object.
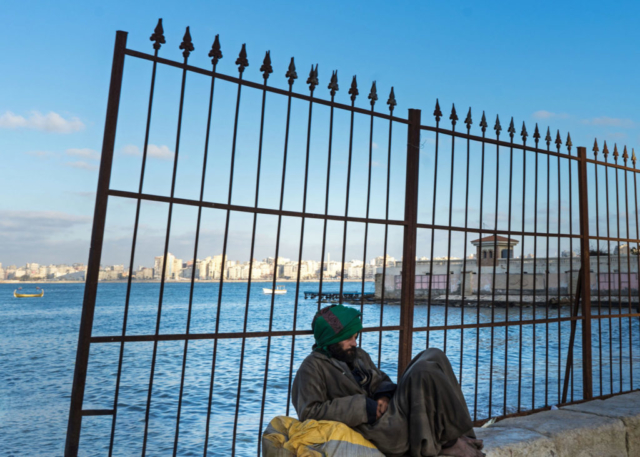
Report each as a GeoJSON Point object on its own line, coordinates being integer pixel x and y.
{"type": "Point", "coordinates": [490, 273]}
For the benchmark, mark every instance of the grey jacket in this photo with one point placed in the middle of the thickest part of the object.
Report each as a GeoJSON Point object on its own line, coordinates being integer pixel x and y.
{"type": "Point", "coordinates": [325, 388]}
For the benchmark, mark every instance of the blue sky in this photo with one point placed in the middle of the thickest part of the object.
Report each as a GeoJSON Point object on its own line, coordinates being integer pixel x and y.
{"type": "Point", "coordinates": [568, 65]}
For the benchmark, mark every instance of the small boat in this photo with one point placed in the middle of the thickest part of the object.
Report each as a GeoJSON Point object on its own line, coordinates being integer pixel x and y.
{"type": "Point", "coordinates": [23, 295]}
{"type": "Point", "coordinates": [279, 290]}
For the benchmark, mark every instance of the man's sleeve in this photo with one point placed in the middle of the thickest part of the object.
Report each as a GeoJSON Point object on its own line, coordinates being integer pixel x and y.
{"type": "Point", "coordinates": [386, 387]}
{"type": "Point", "coordinates": [309, 395]}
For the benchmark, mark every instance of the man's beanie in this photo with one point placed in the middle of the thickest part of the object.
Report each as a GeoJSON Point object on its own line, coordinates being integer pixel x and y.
{"type": "Point", "coordinates": [333, 324]}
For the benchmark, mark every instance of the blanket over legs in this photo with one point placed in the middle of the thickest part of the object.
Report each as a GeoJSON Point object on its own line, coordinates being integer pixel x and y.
{"type": "Point", "coordinates": [426, 411]}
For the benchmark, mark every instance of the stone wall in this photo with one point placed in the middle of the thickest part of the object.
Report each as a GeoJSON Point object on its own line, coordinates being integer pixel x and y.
{"type": "Point", "coordinates": [596, 428]}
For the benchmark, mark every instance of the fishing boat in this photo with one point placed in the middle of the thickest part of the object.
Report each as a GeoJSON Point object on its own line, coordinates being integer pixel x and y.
{"type": "Point", "coordinates": [278, 291]}
{"type": "Point", "coordinates": [18, 294]}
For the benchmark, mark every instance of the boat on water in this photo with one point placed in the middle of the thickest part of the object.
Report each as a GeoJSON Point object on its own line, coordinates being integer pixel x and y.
{"type": "Point", "coordinates": [278, 290]}
{"type": "Point", "coordinates": [18, 294]}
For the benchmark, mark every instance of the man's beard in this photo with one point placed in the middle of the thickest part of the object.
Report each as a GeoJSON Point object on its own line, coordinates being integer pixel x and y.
{"type": "Point", "coordinates": [348, 356]}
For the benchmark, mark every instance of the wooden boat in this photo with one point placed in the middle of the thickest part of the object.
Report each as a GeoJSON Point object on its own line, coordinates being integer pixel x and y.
{"type": "Point", "coordinates": [278, 291]}
{"type": "Point", "coordinates": [22, 295]}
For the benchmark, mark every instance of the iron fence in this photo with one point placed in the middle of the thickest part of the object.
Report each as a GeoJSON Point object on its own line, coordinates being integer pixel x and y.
{"type": "Point", "coordinates": [518, 328]}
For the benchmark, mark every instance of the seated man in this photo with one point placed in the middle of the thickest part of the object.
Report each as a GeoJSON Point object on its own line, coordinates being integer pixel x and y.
{"type": "Point", "coordinates": [424, 415]}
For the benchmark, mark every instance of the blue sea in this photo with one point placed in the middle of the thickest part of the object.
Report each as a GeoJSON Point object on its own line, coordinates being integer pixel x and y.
{"type": "Point", "coordinates": [38, 341]}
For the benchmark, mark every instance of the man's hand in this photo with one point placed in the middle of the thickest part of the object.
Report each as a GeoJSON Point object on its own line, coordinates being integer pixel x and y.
{"type": "Point", "coordinates": [383, 404]}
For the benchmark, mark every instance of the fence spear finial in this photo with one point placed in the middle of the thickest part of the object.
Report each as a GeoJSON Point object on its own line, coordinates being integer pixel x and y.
{"type": "Point", "coordinates": [615, 152]}
{"type": "Point", "coordinates": [312, 80]}
{"type": "Point", "coordinates": [373, 94]}
{"type": "Point", "coordinates": [605, 150]}
{"type": "Point", "coordinates": [547, 139]}
{"type": "Point", "coordinates": [242, 61]}
{"type": "Point", "coordinates": [333, 83]}
{"type": "Point", "coordinates": [536, 135]}
{"type": "Point", "coordinates": [633, 157]}
{"type": "Point", "coordinates": [158, 36]}
{"type": "Point", "coordinates": [291, 74]}
{"type": "Point", "coordinates": [512, 129]}
{"type": "Point", "coordinates": [353, 90]}
{"type": "Point", "coordinates": [187, 44]}
{"type": "Point", "coordinates": [625, 156]}
{"type": "Point", "coordinates": [266, 67]}
{"type": "Point", "coordinates": [483, 123]}
{"type": "Point", "coordinates": [595, 148]}
{"type": "Point", "coordinates": [437, 112]}
{"type": "Point", "coordinates": [215, 53]}
{"type": "Point", "coordinates": [497, 127]}
{"type": "Point", "coordinates": [524, 134]}
{"type": "Point", "coordinates": [468, 120]}
{"type": "Point", "coordinates": [453, 116]}
{"type": "Point", "coordinates": [568, 143]}
{"type": "Point", "coordinates": [392, 100]}
{"type": "Point", "coordinates": [558, 140]}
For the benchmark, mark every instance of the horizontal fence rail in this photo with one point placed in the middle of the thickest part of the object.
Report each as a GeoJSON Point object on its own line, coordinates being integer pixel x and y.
{"type": "Point", "coordinates": [518, 255]}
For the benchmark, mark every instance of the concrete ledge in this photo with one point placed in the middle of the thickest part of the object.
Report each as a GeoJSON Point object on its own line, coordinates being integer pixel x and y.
{"type": "Point", "coordinates": [597, 428]}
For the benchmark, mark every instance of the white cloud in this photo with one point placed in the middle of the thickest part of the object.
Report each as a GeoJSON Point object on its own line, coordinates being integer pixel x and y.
{"type": "Point", "coordinates": [159, 152]}
{"type": "Point", "coordinates": [85, 153]}
{"type": "Point", "coordinates": [374, 144]}
{"type": "Point", "coordinates": [542, 114]}
{"type": "Point", "coordinates": [131, 150]}
{"type": "Point", "coordinates": [610, 122]}
{"type": "Point", "coordinates": [41, 154]}
{"type": "Point", "coordinates": [18, 221]}
{"type": "Point", "coordinates": [82, 165]}
{"type": "Point", "coordinates": [43, 237]}
{"type": "Point", "coordinates": [50, 122]}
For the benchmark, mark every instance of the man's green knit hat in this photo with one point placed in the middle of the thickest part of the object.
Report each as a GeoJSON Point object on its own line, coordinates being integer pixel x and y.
{"type": "Point", "coordinates": [334, 324]}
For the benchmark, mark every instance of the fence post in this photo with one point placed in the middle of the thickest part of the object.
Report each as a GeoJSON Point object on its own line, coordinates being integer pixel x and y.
{"type": "Point", "coordinates": [587, 361]}
{"type": "Point", "coordinates": [95, 250]}
{"type": "Point", "coordinates": [409, 241]}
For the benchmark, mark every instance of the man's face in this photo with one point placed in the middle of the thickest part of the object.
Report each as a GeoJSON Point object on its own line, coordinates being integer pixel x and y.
{"type": "Point", "coordinates": [345, 350]}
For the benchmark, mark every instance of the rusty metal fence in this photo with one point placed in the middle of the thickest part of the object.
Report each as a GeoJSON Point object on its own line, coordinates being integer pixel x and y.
{"type": "Point", "coordinates": [519, 327]}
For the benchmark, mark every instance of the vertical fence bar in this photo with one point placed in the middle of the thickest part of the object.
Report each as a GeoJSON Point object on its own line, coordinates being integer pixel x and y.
{"type": "Point", "coordinates": [409, 241]}
{"type": "Point", "coordinates": [158, 38]}
{"type": "Point", "coordinates": [468, 123]}
{"type": "Point", "coordinates": [266, 69]}
{"type": "Point", "coordinates": [454, 118]}
{"type": "Point", "coordinates": [392, 103]}
{"type": "Point", "coordinates": [353, 91]}
{"type": "Point", "coordinates": [95, 251]}
{"type": "Point", "coordinates": [188, 47]}
{"type": "Point", "coordinates": [606, 185]}
{"type": "Point", "coordinates": [506, 307]}
{"type": "Point", "coordinates": [595, 172]}
{"type": "Point", "coordinates": [217, 55]}
{"type": "Point", "coordinates": [494, 261]}
{"type": "Point", "coordinates": [438, 114]}
{"type": "Point", "coordinates": [242, 63]}
{"type": "Point", "coordinates": [587, 381]}
{"type": "Point", "coordinates": [536, 137]}
{"type": "Point", "coordinates": [628, 236]}
{"type": "Point", "coordinates": [568, 143]}
{"type": "Point", "coordinates": [615, 158]}
{"type": "Point", "coordinates": [483, 126]}
{"type": "Point", "coordinates": [334, 88]}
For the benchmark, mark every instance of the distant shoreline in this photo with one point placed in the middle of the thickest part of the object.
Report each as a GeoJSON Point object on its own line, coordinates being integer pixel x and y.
{"type": "Point", "coordinates": [187, 281]}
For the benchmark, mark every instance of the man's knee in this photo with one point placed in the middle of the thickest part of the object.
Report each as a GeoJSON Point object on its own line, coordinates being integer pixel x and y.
{"type": "Point", "coordinates": [433, 355]}
{"type": "Point", "coordinates": [429, 360]}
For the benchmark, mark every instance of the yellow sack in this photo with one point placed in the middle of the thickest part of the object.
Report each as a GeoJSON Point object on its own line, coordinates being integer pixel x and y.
{"type": "Point", "coordinates": [286, 437]}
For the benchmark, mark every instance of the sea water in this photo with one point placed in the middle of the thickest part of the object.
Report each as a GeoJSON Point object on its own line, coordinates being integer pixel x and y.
{"type": "Point", "coordinates": [38, 342]}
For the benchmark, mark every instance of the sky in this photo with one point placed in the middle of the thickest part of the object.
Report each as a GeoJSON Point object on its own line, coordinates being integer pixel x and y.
{"type": "Point", "coordinates": [571, 66]}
